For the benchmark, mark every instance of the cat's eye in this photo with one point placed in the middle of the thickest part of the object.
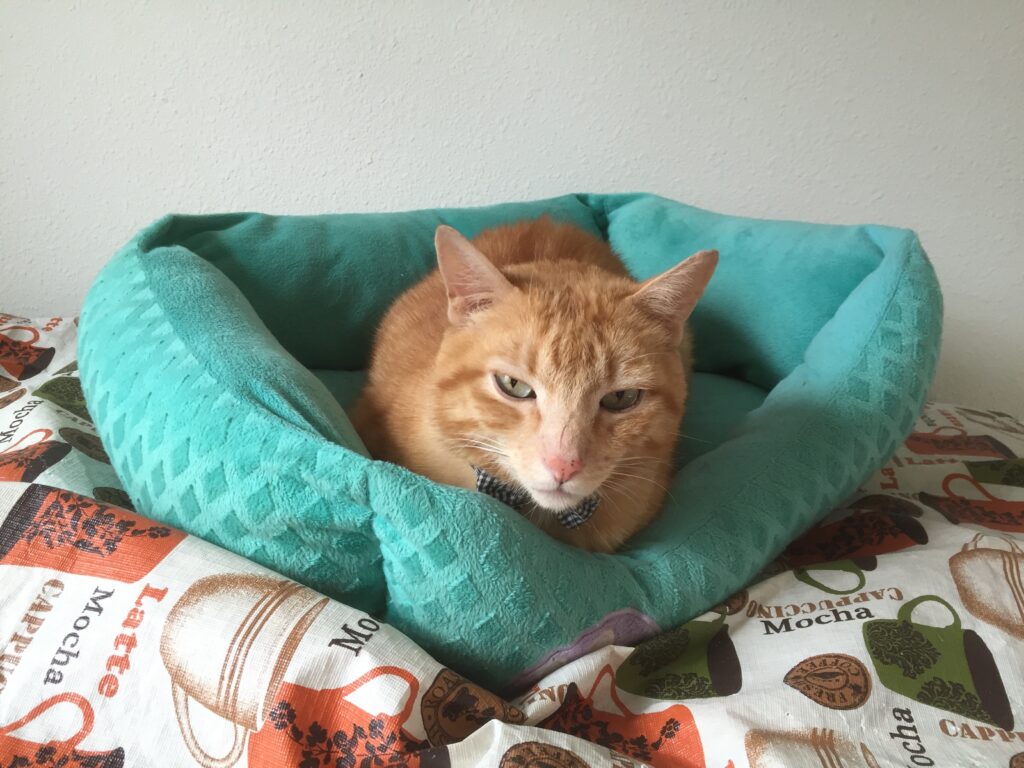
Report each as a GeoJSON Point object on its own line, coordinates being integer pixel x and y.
{"type": "Point", "coordinates": [621, 399]}
{"type": "Point", "coordinates": [514, 387]}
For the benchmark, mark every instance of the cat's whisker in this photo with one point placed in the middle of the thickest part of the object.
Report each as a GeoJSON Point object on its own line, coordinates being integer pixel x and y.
{"type": "Point", "coordinates": [618, 488]}
{"type": "Point", "coordinates": [691, 437]}
{"type": "Point", "coordinates": [624, 492]}
{"type": "Point", "coordinates": [485, 449]}
{"type": "Point", "coordinates": [616, 473]}
{"type": "Point", "coordinates": [481, 445]}
{"type": "Point", "coordinates": [602, 537]}
{"type": "Point", "coordinates": [621, 488]}
{"type": "Point", "coordinates": [480, 440]}
{"type": "Point", "coordinates": [619, 473]}
{"type": "Point", "coordinates": [605, 541]}
{"type": "Point", "coordinates": [641, 460]}
{"type": "Point", "coordinates": [486, 443]}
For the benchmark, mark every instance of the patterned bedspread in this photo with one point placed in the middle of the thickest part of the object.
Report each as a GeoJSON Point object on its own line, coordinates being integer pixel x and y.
{"type": "Point", "coordinates": [890, 635]}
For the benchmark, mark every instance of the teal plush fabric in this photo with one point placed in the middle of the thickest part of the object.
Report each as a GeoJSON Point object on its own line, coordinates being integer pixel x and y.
{"type": "Point", "coordinates": [217, 353]}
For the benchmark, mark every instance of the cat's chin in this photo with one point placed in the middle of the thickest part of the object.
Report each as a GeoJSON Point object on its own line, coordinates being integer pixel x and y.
{"type": "Point", "coordinates": [555, 500]}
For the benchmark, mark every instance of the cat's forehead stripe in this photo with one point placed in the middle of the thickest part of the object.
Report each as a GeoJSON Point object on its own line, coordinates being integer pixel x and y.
{"type": "Point", "coordinates": [459, 377]}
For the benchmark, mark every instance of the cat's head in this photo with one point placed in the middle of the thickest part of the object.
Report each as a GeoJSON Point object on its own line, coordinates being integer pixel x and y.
{"type": "Point", "coordinates": [559, 376]}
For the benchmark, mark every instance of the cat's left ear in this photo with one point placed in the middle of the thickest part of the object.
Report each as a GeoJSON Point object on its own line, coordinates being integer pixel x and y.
{"type": "Point", "coordinates": [672, 295]}
{"type": "Point", "coordinates": [472, 281]}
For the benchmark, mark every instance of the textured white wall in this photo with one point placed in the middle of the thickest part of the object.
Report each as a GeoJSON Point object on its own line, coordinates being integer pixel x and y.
{"type": "Point", "coordinates": [911, 114]}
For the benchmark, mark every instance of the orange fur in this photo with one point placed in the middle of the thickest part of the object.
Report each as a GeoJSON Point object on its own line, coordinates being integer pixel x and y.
{"type": "Point", "coordinates": [562, 314]}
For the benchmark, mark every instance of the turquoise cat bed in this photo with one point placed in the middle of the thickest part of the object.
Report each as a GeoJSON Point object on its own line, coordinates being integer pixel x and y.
{"type": "Point", "coordinates": [217, 353]}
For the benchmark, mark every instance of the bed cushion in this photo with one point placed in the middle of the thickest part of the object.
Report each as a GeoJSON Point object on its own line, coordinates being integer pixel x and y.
{"type": "Point", "coordinates": [216, 353]}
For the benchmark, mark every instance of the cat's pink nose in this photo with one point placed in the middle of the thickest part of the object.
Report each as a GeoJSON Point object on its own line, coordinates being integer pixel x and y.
{"type": "Point", "coordinates": [563, 468]}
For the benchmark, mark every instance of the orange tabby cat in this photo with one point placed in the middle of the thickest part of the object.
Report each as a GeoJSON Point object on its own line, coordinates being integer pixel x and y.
{"type": "Point", "coordinates": [531, 366]}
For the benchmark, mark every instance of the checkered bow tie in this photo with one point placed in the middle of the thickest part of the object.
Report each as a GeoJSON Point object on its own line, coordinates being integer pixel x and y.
{"type": "Point", "coordinates": [516, 497]}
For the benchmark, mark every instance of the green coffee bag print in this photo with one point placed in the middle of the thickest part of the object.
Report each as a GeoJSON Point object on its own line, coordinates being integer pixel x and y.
{"type": "Point", "coordinates": [948, 667]}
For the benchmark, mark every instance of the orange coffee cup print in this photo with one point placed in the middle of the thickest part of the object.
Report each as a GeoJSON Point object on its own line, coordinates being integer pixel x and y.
{"type": "Point", "coordinates": [871, 530]}
{"type": "Point", "coordinates": [31, 455]}
{"type": "Point", "coordinates": [19, 356]}
{"type": "Point", "coordinates": [668, 737]}
{"type": "Point", "coordinates": [235, 668]}
{"type": "Point", "coordinates": [981, 507]}
{"type": "Point", "coordinates": [326, 725]}
{"type": "Point", "coordinates": [15, 751]}
{"type": "Point", "coordinates": [59, 530]}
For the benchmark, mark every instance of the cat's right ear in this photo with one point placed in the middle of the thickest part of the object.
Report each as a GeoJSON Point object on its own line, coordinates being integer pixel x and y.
{"type": "Point", "coordinates": [472, 281]}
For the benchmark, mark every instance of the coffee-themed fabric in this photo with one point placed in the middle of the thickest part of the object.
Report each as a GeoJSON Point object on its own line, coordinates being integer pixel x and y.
{"type": "Point", "coordinates": [892, 634]}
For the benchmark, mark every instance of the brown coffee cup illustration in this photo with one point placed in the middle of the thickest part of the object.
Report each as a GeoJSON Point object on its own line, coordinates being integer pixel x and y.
{"type": "Point", "coordinates": [866, 532]}
{"type": "Point", "coordinates": [63, 752]}
{"type": "Point", "coordinates": [23, 462]}
{"type": "Point", "coordinates": [60, 530]}
{"type": "Point", "coordinates": [86, 442]}
{"type": "Point", "coordinates": [989, 511]}
{"type": "Point", "coordinates": [954, 441]}
{"type": "Point", "coordinates": [234, 673]}
{"type": "Point", "coordinates": [817, 747]}
{"type": "Point", "coordinates": [20, 357]}
{"type": "Point", "coordinates": [536, 754]}
{"type": "Point", "coordinates": [989, 576]}
{"type": "Point", "coordinates": [452, 708]}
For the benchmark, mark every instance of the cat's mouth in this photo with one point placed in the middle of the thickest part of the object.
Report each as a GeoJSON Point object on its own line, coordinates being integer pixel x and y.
{"type": "Point", "coordinates": [556, 499]}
